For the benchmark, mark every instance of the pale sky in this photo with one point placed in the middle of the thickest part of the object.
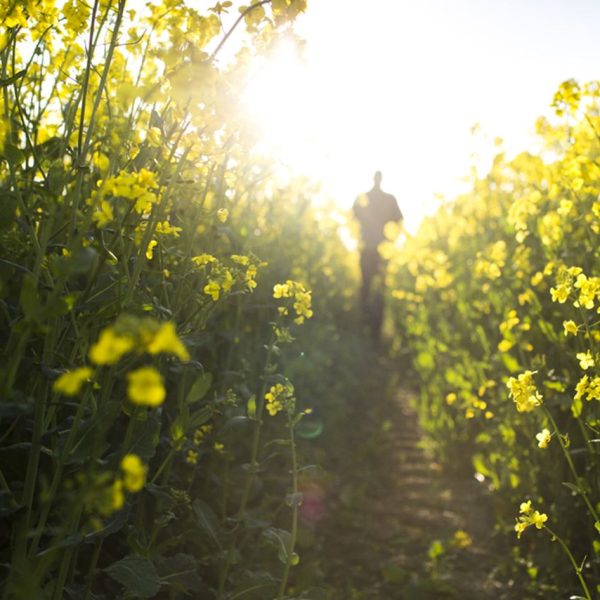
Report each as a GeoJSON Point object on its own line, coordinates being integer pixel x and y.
{"type": "Point", "coordinates": [396, 85]}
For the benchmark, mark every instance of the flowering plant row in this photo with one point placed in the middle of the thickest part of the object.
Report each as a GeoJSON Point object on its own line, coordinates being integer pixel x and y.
{"type": "Point", "coordinates": [149, 309]}
{"type": "Point", "coordinates": [497, 298]}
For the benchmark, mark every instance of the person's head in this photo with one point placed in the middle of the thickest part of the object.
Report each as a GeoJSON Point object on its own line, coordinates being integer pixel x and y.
{"type": "Point", "coordinates": [377, 179]}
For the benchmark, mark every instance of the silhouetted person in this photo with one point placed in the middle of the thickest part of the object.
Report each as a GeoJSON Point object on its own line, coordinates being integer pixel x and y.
{"type": "Point", "coordinates": [373, 210]}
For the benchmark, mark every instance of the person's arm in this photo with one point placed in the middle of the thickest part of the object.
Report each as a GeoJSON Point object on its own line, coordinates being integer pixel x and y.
{"type": "Point", "coordinates": [396, 213]}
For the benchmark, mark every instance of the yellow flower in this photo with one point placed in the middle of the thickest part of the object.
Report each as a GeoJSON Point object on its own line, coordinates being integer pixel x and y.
{"type": "Point", "coordinates": [593, 389]}
{"type": "Point", "coordinates": [16, 17]}
{"type": "Point", "coordinates": [543, 438]}
{"type": "Point", "coordinates": [222, 214]}
{"type": "Point", "coordinates": [520, 527]}
{"type": "Point", "coordinates": [302, 306]}
{"type": "Point", "coordinates": [203, 259]}
{"type": "Point", "coordinates": [588, 387]}
{"type": "Point", "coordinates": [524, 392]}
{"type": "Point", "coordinates": [101, 161]}
{"type": "Point", "coordinates": [191, 457]}
{"type": "Point", "coordinates": [70, 383]}
{"type": "Point", "coordinates": [111, 346]}
{"type": "Point", "coordinates": [134, 473]}
{"type": "Point", "coordinates": [103, 214]}
{"type": "Point", "coordinates": [165, 228]}
{"type": "Point", "coordinates": [213, 289]}
{"type": "Point", "coordinates": [117, 495]}
{"type": "Point", "coordinates": [201, 433]}
{"type": "Point", "coordinates": [560, 293]}
{"type": "Point", "coordinates": [505, 345]}
{"type": "Point", "coordinates": [274, 404]}
{"type": "Point", "coordinates": [150, 249]}
{"type": "Point", "coordinates": [589, 288]}
{"type": "Point", "coordinates": [226, 280]}
{"type": "Point", "coordinates": [537, 278]}
{"type": "Point", "coordinates": [281, 290]}
{"type": "Point", "coordinates": [565, 207]}
{"type": "Point", "coordinates": [581, 387]}
{"type": "Point", "coordinates": [166, 340]}
{"type": "Point", "coordinates": [570, 327]}
{"type": "Point", "coordinates": [461, 539]}
{"type": "Point", "coordinates": [586, 360]}
{"type": "Point", "coordinates": [527, 518]}
{"type": "Point", "coordinates": [525, 507]}
{"type": "Point", "coordinates": [146, 387]}
{"type": "Point", "coordinates": [240, 260]}
{"type": "Point", "coordinates": [451, 398]}
{"type": "Point", "coordinates": [538, 519]}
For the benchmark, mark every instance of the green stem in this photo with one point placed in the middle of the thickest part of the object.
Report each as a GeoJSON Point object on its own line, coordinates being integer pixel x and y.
{"type": "Point", "coordinates": [164, 464]}
{"type": "Point", "coordinates": [260, 404]}
{"type": "Point", "coordinates": [56, 479]}
{"type": "Point", "coordinates": [569, 460]}
{"type": "Point", "coordinates": [92, 568]}
{"type": "Point", "coordinates": [85, 84]}
{"type": "Point", "coordinates": [576, 567]}
{"type": "Point", "coordinates": [97, 99]}
{"type": "Point", "coordinates": [294, 531]}
{"type": "Point", "coordinates": [67, 556]}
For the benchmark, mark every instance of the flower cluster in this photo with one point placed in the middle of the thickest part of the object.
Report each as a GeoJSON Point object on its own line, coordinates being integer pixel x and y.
{"type": "Point", "coordinates": [278, 397]}
{"type": "Point", "coordinates": [242, 270]}
{"type": "Point", "coordinates": [105, 494]}
{"type": "Point", "coordinates": [145, 385]}
{"type": "Point", "coordinates": [301, 299]}
{"type": "Point", "coordinates": [528, 517]}
{"type": "Point", "coordinates": [524, 392]}
{"type": "Point", "coordinates": [139, 187]}
{"type": "Point", "coordinates": [139, 335]}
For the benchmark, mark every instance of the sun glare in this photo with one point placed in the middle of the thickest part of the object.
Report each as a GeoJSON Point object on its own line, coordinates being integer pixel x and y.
{"type": "Point", "coordinates": [376, 92]}
{"type": "Point", "coordinates": [277, 102]}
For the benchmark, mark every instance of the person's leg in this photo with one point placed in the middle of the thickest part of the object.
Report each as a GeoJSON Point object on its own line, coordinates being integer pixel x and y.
{"type": "Point", "coordinates": [376, 299]}
{"type": "Point", "coordinates": [367, 273]}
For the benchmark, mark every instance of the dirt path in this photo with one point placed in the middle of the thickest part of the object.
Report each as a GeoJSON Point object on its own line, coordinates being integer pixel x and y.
{"type": "Point", "coordinates": [393, 507]}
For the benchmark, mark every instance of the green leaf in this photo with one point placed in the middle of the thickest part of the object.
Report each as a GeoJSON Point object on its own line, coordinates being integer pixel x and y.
{"type": "Point", "coordinates": [207, 520]}
{"type": "Point", "coordinates": [199, 388]}
{"type": "Point", "coordinates": [14, 155]}
{"type": "Point", "coordinates": [8, 207]}
{"type": "Point", "coordinates": [137, 574]}
{"type": "Point", "coordinates": [574, 488]}
{"type": "Point", "coordinates": [510, 362]}
{"type": "Point", "coordinates": [180, 572]}
{"type": "Point", "coordinates": [281, 539]}
{"type": "Point", "coordinates": [200, 417]}
{"type": "Point", "coordinates": [548, 330]}
{"type": "Point", "coordinates": [147, 435]}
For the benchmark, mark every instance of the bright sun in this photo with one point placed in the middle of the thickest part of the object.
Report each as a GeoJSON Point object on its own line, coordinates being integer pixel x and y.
{"type": "Point", "coordinates": [318, 122]}
{"type": "Point", "coordinates": [279, 102]}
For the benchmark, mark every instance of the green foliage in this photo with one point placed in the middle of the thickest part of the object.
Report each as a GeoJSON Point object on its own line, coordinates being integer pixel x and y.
{"type": "Point", "coordinates": [140, 245]}
{"type": "Point", "coordinates": [496, 299]}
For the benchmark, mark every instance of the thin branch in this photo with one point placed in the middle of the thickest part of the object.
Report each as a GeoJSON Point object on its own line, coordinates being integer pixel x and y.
{"type": "Point", "coordinates": [234, 26]}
